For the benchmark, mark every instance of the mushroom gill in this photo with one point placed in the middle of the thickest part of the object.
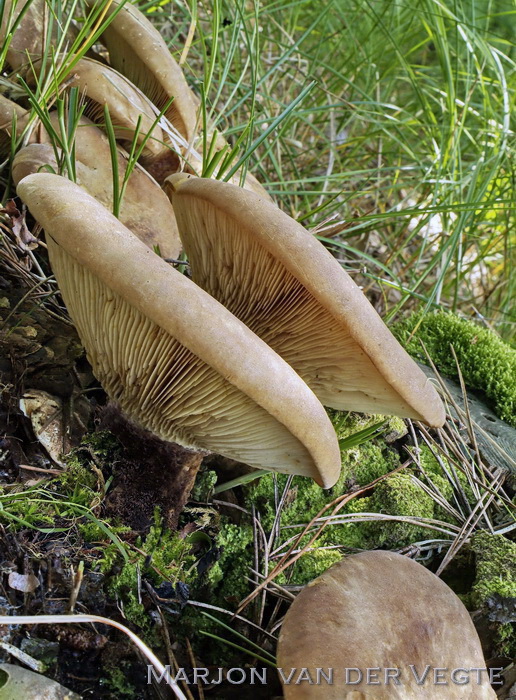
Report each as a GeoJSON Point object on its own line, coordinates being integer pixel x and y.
{"type": "Point", "coordinates": [282, 283]}
{"type": "Point", "coordinates": [174, 359]}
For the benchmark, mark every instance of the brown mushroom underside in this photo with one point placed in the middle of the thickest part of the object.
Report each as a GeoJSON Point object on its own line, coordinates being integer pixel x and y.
{"type": "Point", "coordinates": [174, 359]}
{"type": "Point", "coordinates": [282, 283]}
{"type": "Point", "coordinates": [380, 610]}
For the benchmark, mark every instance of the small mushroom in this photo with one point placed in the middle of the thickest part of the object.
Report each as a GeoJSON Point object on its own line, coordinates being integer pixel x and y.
{"type": "Point", "coordinates": [145, 208]}
{"type": "Point", "coordinates": [174, 359]}
{"type": "Point", "coordinates": [282, 282]}
{"type": "Point", "coordinates": [381, 622]}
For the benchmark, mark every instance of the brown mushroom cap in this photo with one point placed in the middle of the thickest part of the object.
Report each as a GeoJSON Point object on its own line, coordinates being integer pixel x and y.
{"type": "Point", "coordinates": [380, 610]}
{"type": "Point", "coordinates": [177, 362]}
{"type": "Point", "coordinates": [8, 112]}
{"type": "Point", "coordinates": [145, 209]}
{"type": "Point", "coordinates": [27, 43]}
{"type": "Point", "coordinates": [138, 51]}
{"type": "Point", "coordinates": [282, 283]}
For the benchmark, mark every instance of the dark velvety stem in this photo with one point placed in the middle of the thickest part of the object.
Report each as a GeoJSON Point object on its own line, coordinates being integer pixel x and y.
{"type": "Point", "coordinates": [151, 472]}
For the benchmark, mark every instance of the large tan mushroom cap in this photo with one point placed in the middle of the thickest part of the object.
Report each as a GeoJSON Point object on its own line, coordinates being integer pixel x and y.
{"type": "Point", "coordinates": [380, 610]}
{"type": "Point", "coordinates": [282, 282]}
{"type": "Point", "coordinates": [176, 360]}
{"type": "Point", "coordinates": [145, 209]}
{"type": "Point", "coordinates": [138, 51]}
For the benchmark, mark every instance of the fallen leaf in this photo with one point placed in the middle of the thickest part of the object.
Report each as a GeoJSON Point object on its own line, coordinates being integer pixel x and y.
{"type": "Point", "coordinates": [46, 415]}
{"type": "Point", "coordinates": [22, 236]}
{"type": "Point", "coordinates": [26, 583]}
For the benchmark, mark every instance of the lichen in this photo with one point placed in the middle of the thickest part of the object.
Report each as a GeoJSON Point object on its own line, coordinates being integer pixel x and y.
{"type": "Point", "coordinates": [487, 363]}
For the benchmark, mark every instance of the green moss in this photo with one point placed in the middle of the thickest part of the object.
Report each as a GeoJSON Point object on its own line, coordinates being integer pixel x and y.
{"type": "Point", "coordinates": [311, 565]}
{"type": "Point", "coordinates": [54, 501]}
{"type": "Point", "coordinates": [228, 577]}
{"type": "Point", "coordinates": [368, 462]}
{"type": "Point", "coordinates": [435, 474]}
{"type": "Point", "coordinates": [124, 586]}
{"type": "Point", "coordinates": [399, 495]}
{"type": "Point", "coordinates": [361, 466]}
{"type": "Point", "coordinates": [506, 640]}
{"type": "Point", "coordinates": [116, 681]}
{"type": "Point", "coordinates": [486, 362]}
{"type": "Point", "coordinates": [348, 423]}
{"type": "Point", "coordinates": [495, 567]}
{"type": "Point", "coordinates": [163, 556]}
{"type": "Point", "coordinates": [91, 532]}
{"type": "Point", "coordinates": [204, 484]}
{"type": "Point", "coordinates": [225, 584]}
{"type": "Point", "coordinates": [496, 582]}
{"type": "Point", "coordinates": [79, 482]}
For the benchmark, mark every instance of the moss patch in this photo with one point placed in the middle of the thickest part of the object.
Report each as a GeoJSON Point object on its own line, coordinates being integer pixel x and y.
{"type": "Point", "coordinates": [486, 362]}
{"type": "Point", "coordinates": [494, 589]}
{"type": "Point", "coordinates": [496, 567]}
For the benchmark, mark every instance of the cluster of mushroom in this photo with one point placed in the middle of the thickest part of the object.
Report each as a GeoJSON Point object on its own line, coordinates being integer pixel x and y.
{"type": "Point", "coordinates": [240, 359]}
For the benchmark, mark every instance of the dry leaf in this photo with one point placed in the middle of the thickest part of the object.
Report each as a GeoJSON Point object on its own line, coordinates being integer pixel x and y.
{"type": "Point", "coordinates": [26, 583]}
{"type": "Point", "coordinates": [46, 415]}
{"type": "Point", "coordinates": [22, 236]}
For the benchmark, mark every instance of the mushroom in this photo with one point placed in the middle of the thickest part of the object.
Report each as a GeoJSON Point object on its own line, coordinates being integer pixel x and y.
{"type": "Point", "coordinates": [28, 40]}
{"type": "Point", "coordinates": [134, 117]}
{"type": "Point", "coordinates": [382, 622]}
{"type": "Point", "coordinates": [137, 50]}
{"type": "Point", "coordinates": [175, 360]}
{"type": "Point", "coordinates": [282, 282]}
{"type": "Point", "coordinates": [145, 209]}
{"type": "Point", "coordinates": [10, 112]}
{"type": "Point", "coordinates": [132, 114]}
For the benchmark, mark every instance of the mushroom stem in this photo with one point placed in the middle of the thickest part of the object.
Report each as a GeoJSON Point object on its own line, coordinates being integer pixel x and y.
{"type": "Point", "coordinates": [153, 473]}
